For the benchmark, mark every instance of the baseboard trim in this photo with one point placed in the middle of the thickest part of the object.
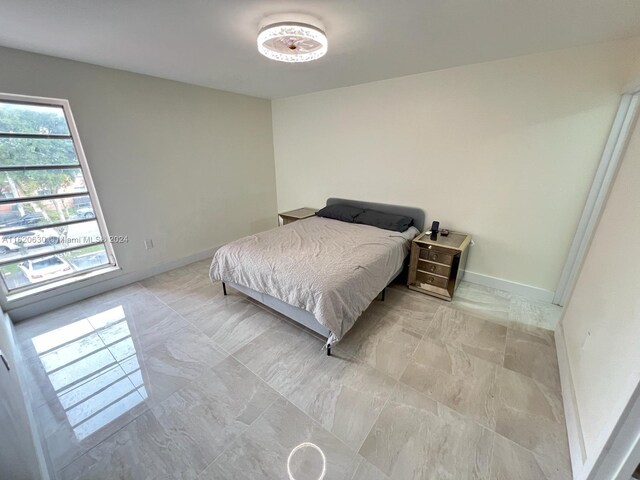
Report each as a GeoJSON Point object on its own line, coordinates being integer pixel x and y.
{"type": "Point", "coordinates": [577, 449]}
{"type": "Point", "coordinates": [40, 306]}
{"type": "Point", "coordinates": [527, 291]}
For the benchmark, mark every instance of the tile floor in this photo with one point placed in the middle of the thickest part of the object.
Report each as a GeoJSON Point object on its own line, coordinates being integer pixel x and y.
{"type": "Point", "coordinates": [168, 378]}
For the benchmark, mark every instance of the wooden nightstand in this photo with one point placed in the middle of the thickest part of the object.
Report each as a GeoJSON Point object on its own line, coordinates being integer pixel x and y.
{"type": "Point", "coordinates": [437, 266]}
{"type": "Point", "coordinates": [299, 214]}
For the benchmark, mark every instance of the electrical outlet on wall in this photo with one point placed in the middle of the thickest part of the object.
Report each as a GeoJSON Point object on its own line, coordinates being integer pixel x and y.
{"type": "Point", "coordinates": [148, 244]}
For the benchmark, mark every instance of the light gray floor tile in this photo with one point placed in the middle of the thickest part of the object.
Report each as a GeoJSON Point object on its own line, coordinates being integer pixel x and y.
{"type": "Point", "coordinates": [281, 355]}
{"type": "Point", "coordinates": [94, 395]}
{"type": "Point", "coordinates": [530, 355]}
{"type": "Point", "coordinates": [143, 318]}
{"type": "Point", "coordinates": [513, 462]}
{"type": "Point", "coordinates": [344, 395]}
{"type": "Point", "coordinates": [196, 422]}
{"type": "Point", "coordinates": [213, 411]}
{"type": "Point", "coordinates": [474, 335]}
{"type": "Point", "coordinates": [531, 414]}
{"type": "Point", "coordinates": [176, 284]}
{"type": "Point", "coordinates": [195, 298]}
{"type": "Point", "coordinates": [65, 354]}
{"type": "Point", "coordinates": [141, 450]}
{"type": "Point", "coordinates": [264, 449]}
{"type": "Point", "coordinates": [48, 374]}
{"type": "Point", "coordinates": [118, 294]}
{"type": "Point", "coordinates": [202, 266]}
{"type": "Point", "coordinates": [504, 308]}
{"type": "Point", "coordinates": [382, 341]}
{"type": "Point", "coordinates": [415, 309]}
{"type": "Point", "coordinates": [83, 417]}
{"type": "Point", "coordinates": [151, 338]}
{"type": "Point", "coordinates": [366, 471]}
{"type": "Point", "coordinates": [232, 321]}
{"type": "Point", "coordinates": [28, 331]}
{"type": "Point", "coordinates": [182, 358]}
{"type": "Point", "coordinates": [417, 438]}
{"type": "Point", "coordinates": [461, 381]}
{"type": "Point", "coordinates": [537, 314]}
{"type": "Point", "coordinates": [543, 335]}
{"type": "Point", "coordinates": [482, 301]}
{"type": "Point", "coordinates": [142, 310]}
{"type": "Point", "coordinates": [138, 383]}
{"type": "Point", "coordinates": [529, 396]}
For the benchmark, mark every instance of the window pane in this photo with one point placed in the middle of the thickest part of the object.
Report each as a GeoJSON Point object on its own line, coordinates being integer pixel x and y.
{"type": "Point", "coordinates": [41, 183]}
{"type": "Point", "coordinates": [88, 257]}
{"type": "Point", "coordinates": [21, 274]}
{"type": "Point", "coordinates": [37, 151]}
{"type": "Point", "coordinates": [14, 216]}
{"type": "Point", "coordinates": [40, 119]}
{"type": "Point", "coordinates": [43, 241]}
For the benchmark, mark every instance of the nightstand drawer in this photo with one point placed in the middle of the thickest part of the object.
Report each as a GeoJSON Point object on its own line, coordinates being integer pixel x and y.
{"type": "Point", "coordinates": [429, 279]}
{"type": "Point", "coordinates": [438, 256]}
{"type": "Point", "coordinates": [437, 263]}
{"type": "Point", "coordinates": [430, 267]}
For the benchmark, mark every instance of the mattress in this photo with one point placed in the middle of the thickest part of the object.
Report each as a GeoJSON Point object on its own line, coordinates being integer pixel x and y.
{"type": "Point", "coordinates": [331, 269]}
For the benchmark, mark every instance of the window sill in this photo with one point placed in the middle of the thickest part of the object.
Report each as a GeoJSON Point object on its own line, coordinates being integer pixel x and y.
{"type": "Point", "coordinates": [14, 297]}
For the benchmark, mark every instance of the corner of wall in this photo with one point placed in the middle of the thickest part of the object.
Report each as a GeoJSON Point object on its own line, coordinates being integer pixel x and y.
{"type": "Point", "coordinates": [577, 449]}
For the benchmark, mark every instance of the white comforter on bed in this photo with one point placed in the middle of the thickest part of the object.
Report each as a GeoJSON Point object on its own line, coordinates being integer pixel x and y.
{"type": "Point", "coordinates": [330, 268]}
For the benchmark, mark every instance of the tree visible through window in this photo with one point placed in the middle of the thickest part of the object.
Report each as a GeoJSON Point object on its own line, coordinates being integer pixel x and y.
{"type": "Point", "coordinates": [50, 227]}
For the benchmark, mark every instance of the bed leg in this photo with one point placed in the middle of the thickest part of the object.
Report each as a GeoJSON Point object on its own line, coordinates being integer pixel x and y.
{"type": "Point", "coordinates": [383, 290]}
{"type": "Point", "coordinates": [328, 350]}
{"type": "Point", "coordinates": [224, 288]}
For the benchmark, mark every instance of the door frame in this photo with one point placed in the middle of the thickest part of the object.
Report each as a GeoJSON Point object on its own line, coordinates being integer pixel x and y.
{"type": "Point", "coordinates": [610, 161]}
{"type": "Point", "coordinates": [621, 454]}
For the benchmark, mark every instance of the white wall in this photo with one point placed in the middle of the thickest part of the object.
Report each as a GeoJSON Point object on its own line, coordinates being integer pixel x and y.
{"type": "Point", "coordinates": [505, 150]}
{"type": "Point", "coordinates": [21, 453]}
{"type": "Point", "coordinates": [633, 83]}
{"type": "Point", "coordinates": [189, 167]}
{"type": "Point", "coordinates": [601, 323]}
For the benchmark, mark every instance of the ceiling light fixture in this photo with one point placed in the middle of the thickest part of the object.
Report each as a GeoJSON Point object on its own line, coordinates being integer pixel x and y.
{"type": "Point", "coordinates": [292, 41]}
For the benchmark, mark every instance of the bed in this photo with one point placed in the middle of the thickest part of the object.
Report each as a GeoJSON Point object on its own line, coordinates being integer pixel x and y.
{"type": "Point", "coordinates": [319, 272]}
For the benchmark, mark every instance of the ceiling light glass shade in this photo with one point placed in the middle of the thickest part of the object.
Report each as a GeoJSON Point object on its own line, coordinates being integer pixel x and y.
{"type": "Point", "coordinates": [292, 42]}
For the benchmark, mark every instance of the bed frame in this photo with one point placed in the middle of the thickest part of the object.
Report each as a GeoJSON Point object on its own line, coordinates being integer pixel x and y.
{"type": "Point", "coordinates": [304, 317]}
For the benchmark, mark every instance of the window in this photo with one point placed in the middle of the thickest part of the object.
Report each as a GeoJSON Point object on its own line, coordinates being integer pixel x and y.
{"type": "Point", "coordinates": [51, 226]}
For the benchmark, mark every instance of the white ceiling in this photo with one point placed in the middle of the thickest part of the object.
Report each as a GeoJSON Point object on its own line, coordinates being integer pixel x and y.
{"type": "Point", "coordinates": [212, 42]}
